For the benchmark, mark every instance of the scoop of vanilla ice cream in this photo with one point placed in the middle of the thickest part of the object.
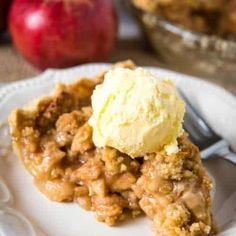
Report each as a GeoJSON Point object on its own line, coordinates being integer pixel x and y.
{"type": "Point", "coordinates": [136, 113]}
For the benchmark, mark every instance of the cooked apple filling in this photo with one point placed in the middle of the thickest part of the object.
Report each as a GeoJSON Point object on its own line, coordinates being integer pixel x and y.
{"type": "Point", "coordinates": [54, 142]}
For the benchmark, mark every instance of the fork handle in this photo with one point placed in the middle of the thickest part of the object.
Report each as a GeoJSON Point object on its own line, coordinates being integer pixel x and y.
{"type": "Point", "coordinates": [219, 149]}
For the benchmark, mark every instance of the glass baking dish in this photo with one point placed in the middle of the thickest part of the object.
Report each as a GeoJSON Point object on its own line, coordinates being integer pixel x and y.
{"type": "Point", "coordinates": [187, 51]}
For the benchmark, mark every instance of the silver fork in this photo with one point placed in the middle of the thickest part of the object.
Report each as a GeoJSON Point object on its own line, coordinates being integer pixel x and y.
{"type": "Point", "coordinates": [202, 135]}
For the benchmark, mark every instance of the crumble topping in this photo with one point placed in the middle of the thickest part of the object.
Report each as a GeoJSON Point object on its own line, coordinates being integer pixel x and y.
{"type": "Point", "coordinates": [204, 16]}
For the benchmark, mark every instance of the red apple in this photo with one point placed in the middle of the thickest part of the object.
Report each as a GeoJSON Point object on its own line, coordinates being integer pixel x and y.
{"type": "Point", "coordinates": [4, 7]}
{"type": "Point", "coordinates": [63, 33]}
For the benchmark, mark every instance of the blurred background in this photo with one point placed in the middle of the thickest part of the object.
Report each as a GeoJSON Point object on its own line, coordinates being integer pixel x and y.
{"type": "Point", "coordinates": [193, 37]}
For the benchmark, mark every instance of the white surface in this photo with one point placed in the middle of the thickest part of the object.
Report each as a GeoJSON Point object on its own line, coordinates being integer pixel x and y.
{"type": "Point", "coordinates": [128, 27]}
{"type": "Point", "coordinates": [67, 219]}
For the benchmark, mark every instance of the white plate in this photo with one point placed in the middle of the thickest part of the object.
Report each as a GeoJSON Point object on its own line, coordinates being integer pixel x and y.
{"type": "Point", "coordinates": [67, 219]}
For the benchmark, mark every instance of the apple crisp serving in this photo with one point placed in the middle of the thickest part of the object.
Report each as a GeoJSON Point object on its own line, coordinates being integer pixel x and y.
{"type": "Point", "coordinates": [54, 142]}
